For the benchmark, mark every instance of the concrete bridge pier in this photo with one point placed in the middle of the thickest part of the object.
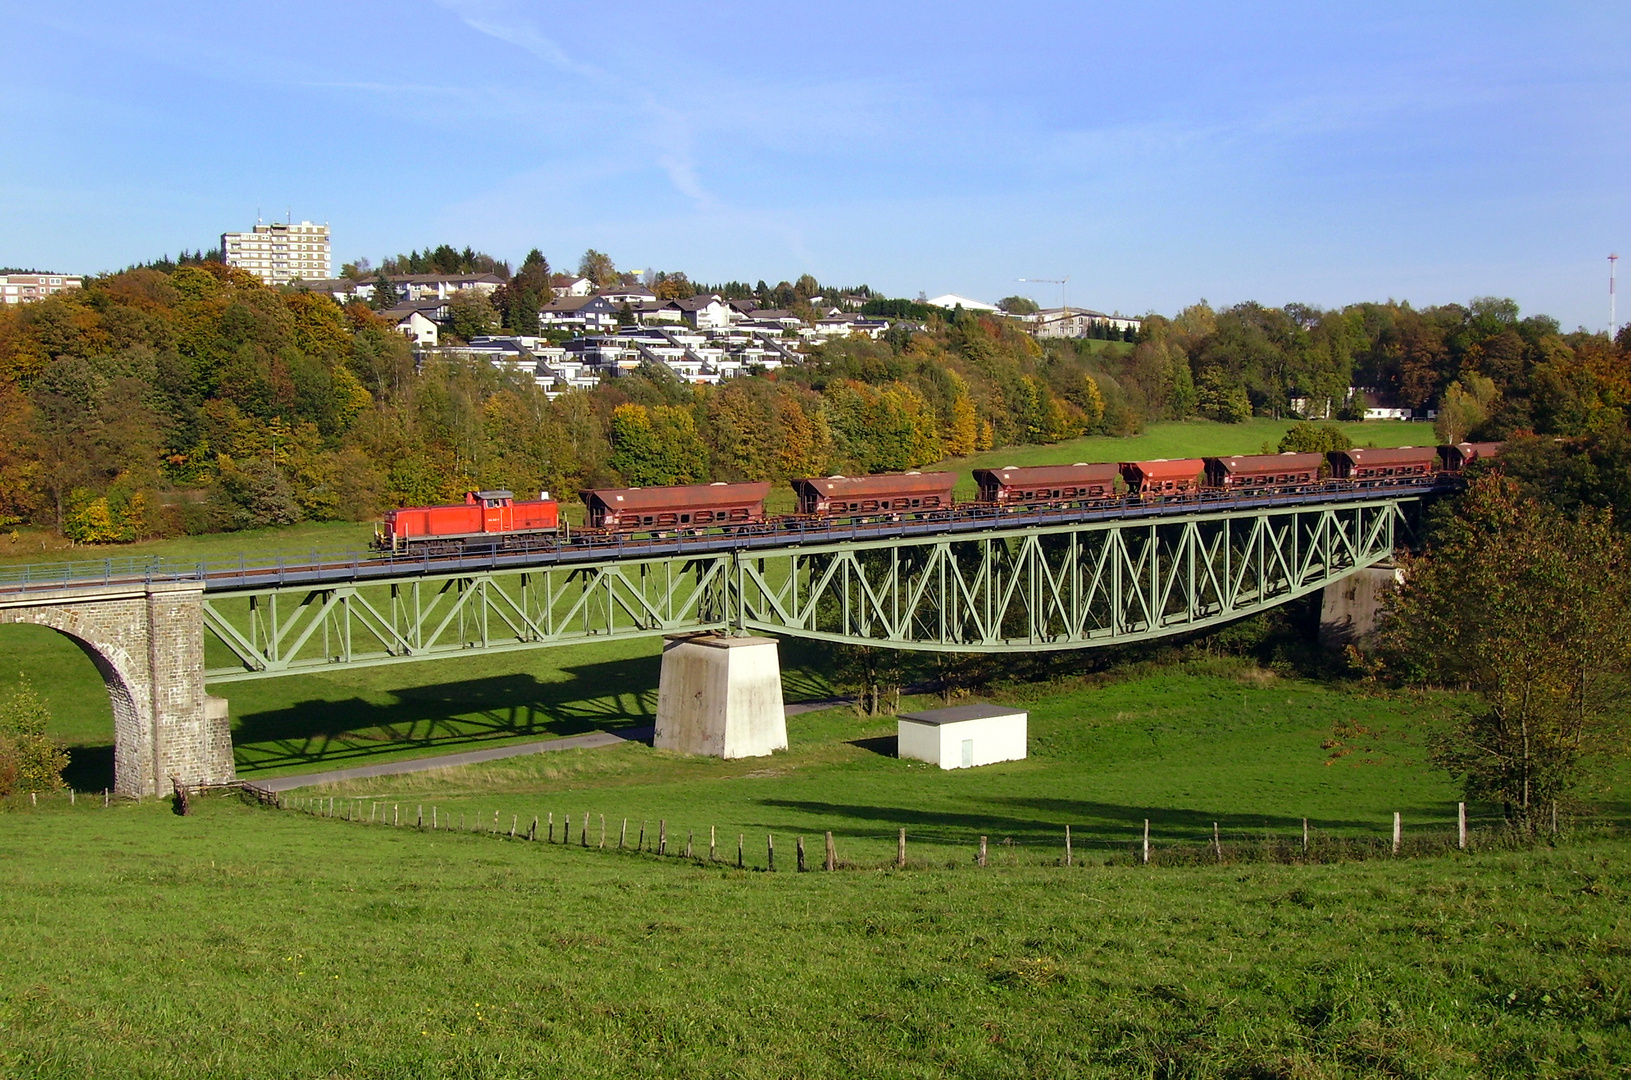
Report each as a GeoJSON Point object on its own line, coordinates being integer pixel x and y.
{"type": "Point", "coordinates": [721, 696]}
{"type": "Point", "coordinates": [147, 641]}
{"type": "Point", "coordinates": [1351, 607]}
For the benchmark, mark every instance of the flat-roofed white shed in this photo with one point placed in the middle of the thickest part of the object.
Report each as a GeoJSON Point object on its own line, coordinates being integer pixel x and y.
{"type": "Point", "coordinates": [962, 736]}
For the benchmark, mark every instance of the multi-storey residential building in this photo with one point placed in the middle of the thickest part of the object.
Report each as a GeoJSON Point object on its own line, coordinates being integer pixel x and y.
{"type": "Point", "coordinates": [279, 252]}
{"type": "Point", "coordinates": [18, 288]}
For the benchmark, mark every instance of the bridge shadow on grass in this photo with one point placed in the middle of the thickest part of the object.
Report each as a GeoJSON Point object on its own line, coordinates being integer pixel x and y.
{"type": "Point", "coordinates": [1099, 823]}
{"type": "Point", "coordinates": [449, 717]}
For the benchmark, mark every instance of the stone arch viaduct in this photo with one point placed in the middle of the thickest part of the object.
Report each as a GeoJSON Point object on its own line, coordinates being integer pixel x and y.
{"type": "Point", "coordinates": [147, 642]}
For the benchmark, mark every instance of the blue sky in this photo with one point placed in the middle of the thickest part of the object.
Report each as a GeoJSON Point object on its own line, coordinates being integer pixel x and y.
{"type": "Point", "coordinates": [1156, 153]}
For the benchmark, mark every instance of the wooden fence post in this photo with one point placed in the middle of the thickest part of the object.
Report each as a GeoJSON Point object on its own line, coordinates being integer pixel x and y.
{"type": "Point", "coordinates": [1217, 842]}
{"type": "Point", "coordinates": [104, 798]}
{"type": "Point", "coordinates": [566, 827]}
{"type": "Point", "coordinates": [981, 859]}
{"type": "Point", "coordinates": [1067, 845]}
{"type": "Point", "coordinates": [603, 832]}
{"type": "Point", "coordinates": [642, 844]}
{"type": "Point", "coordinates": [495, 821]}
{"type": "Point", "coordinates": [583, 837]}
{"type": "Point", "coordinates": [801, 854]}
{"type": "Point", "coordinates": [550, 821]}
{"type": "Point", "coordinates": [420, 824]}
{"type": "Point", "coordinates": [832, 854]}
{"type": "Point", "coordinates": [770, 851]}
{"type": "Point", "coordinates": [396, 815]}
{"type": "Point", "coordinates": [662, 836]}
{"type": "Point", "coordinates": [739, 838]}
{"type": "Point", "coordinates": [514, 820]}
{"type": "Point", "coordinates": [1461, 825]}
{"type": "Point", "coordinates": [532, 832]}
{"type": "Point", "coordinates": [711, 845]}
{"type": "Point", "coordinates": [1554, 817]}
{"type": "Point", "coordinates": [1305, 838]}
{"type": "Point", "coordinates": [72, 802]}
{"type": "Point", "coordinates": [623, 834]}
{"type": "Point", "coordinates": [690, 834]}
{"type": "Point", "coordinates": [900, 850]}
{"type": "Point", "coordinates": [1398, 831]}
{"type": "Point", "coordinates": [1146, 841]}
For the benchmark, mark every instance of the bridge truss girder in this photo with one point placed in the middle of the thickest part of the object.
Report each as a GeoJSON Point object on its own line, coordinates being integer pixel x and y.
{"type": "Point", "coordinates": [1061, 587]}
{"type": "Point", "coordinates": [1053, 587]}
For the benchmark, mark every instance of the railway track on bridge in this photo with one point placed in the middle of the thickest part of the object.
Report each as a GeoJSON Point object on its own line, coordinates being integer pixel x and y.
{"type": "Point", "coordinates": [320, 569]}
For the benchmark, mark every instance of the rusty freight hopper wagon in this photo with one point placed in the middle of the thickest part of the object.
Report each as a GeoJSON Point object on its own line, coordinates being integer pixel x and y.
{"type": "Point", "coordinates": [848, 496]}
{"type": "Point", "coordinates": [1252, 472]}
{"type": "Point", "coordinates": [1388, 463]}
{"type": "Point", "coordinates": [486, 519]}
{"type": "Point", "coordinates": [1165, 476]}
{"type": "Point", "coordinates": [669, 509]}
{"type": "Point", "coordinates": [1456, 457]}
{"type": "Point", "coordinates": [1042, 485]}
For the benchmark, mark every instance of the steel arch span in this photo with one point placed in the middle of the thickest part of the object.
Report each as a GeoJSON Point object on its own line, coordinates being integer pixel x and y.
{"type": "Point", "coordinates": [1063, 586]}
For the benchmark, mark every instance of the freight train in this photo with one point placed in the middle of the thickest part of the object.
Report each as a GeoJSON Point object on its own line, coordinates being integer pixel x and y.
{"type": "Point", "coordinates": [495, 520]}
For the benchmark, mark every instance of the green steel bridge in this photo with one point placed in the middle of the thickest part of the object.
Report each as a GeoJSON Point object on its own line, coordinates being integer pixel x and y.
{"type": "Point", "coordinates": [1015, 583]}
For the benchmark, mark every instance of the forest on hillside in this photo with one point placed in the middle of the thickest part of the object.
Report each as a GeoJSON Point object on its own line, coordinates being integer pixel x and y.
{"type": "Point", "coordinates": [189, 398]}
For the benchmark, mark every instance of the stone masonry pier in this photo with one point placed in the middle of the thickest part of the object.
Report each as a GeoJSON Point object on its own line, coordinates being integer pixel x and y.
{"type": "Point", "coordinates": [147, 641]}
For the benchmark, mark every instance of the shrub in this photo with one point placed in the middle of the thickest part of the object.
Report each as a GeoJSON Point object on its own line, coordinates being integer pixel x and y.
{"type": "Point", "coordinates": [29, 760]}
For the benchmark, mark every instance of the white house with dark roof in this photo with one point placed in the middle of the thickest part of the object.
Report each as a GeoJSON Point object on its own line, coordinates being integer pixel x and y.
{"type": "Point", "coordinates": [707, 312]}
{"type": "Point", "coordinates": [441, 286]}
{"type": "Point", "coordinates": [571, 285]}
{"type": "Point", "coordinates": [417, 322]}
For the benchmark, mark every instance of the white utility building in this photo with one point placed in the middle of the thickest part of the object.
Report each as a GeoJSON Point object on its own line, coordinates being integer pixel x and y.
{"type": "Point", "coordinates": [963, 736]}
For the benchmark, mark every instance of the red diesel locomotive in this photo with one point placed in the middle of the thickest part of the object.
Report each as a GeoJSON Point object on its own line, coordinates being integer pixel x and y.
{"type": "Point", "coordinates": [485, 520]}
{"type": "Point", "coordinates": [494, 520]}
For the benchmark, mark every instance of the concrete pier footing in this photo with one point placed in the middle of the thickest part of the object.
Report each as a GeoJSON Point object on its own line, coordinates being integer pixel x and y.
{"type": "Point", "coordinates": [721, 697]}
{"type": "Point", "coordinates": [1351, 607]}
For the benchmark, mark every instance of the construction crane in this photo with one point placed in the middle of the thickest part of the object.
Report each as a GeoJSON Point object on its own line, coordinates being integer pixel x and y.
{"type": "Point", "coordinates": [1052, 281]}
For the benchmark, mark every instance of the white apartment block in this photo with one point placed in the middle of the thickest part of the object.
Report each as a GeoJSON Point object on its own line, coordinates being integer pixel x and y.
{"type": "Point", "coordinates": [20, 288]}
{"type": "Point", "coordinates": [279, 252]}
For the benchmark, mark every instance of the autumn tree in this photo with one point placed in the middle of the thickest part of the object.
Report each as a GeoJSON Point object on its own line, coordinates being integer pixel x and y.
{"type": "Point", "coordinates": [1463, 408]}
{"type": "Point", "coordinates": [1530, 611]}
{"type": "Point", "coordinates": [657, 445]}
{"type": "Point", "coordinates": [470, 313]}
{"type": "Point", "coordinates": [1304, 437]}
{"type": "Point", "coordinates": [598, 267]}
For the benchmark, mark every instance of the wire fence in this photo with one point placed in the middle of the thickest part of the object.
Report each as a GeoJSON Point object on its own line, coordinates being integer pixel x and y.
{"type": "Point", "coordinates": [768, 850]}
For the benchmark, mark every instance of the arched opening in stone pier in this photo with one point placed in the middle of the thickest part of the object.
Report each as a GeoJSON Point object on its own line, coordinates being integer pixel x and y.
{"type": "Point", "coordinates": [146, 644]}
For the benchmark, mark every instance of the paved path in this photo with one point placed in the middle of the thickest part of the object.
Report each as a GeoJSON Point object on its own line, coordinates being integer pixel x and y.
{"type": "Point", "coordinates": [445, 761]}
{"type": "Point", "coordinates": [496, 753]}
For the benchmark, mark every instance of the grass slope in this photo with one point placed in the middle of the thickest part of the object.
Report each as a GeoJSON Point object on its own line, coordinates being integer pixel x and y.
{"type": "Point", "coordinates": [248, 942]}
{"type": "Point", "coordinates": [1181, 749]}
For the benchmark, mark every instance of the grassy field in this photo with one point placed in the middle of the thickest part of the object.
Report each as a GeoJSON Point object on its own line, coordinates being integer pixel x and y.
{"type": "Point", "coordinates": [1103, 758]}
{"type": "Point", "coordinates": [249, 942]}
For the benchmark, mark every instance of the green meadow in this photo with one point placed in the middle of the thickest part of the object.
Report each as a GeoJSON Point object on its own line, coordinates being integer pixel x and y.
{"type": "Point", "coordinates": [249, 941]}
